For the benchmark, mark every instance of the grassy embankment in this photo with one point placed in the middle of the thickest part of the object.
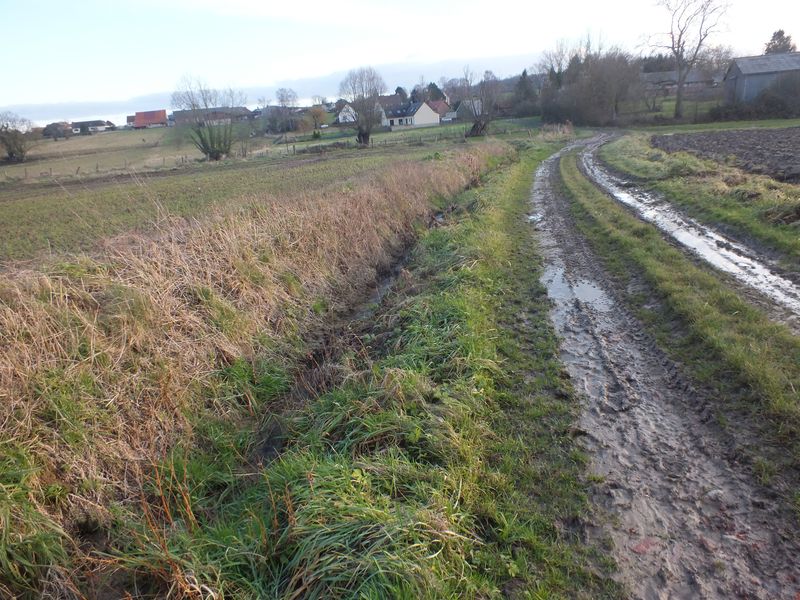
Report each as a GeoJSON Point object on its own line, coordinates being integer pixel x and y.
{"type": "Point", "coordinates": [751, 206]}
{"type": "Point", "coordinates": [752, 362]}
{"type": "Point", "coordinates": [135, 388]}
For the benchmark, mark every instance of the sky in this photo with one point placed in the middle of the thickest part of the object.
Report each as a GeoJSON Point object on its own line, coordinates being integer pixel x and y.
{"type": "Point", "coordinates": [92, 58]}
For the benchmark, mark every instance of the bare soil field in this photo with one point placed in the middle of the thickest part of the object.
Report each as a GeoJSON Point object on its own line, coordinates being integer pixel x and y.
{"type": "Point", "coordinates": [773, 152]}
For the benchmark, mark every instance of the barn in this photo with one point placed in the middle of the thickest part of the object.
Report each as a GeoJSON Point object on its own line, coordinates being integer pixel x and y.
{"type": "Point", "coordinates": [150, 118]}
{"type": "Point", "coordinates": [748, 76]}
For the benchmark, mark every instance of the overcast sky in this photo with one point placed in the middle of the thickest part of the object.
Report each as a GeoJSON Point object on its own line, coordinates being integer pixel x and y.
{"type": "Point", "coordinates": [69, 54]}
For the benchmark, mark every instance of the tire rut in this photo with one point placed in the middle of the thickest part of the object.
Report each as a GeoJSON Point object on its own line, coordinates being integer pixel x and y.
{"type": "Point", "coordinates": [686, 521]}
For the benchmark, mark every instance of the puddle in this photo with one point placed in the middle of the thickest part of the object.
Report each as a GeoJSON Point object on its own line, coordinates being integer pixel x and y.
{"type": "Point", "coordinates": [560, 289]}
{"type": "Point", "coordinates": [720, 252]}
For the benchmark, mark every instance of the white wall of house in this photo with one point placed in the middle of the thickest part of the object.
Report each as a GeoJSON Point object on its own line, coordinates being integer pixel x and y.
{"type": "Point", "coordinates": [347, 114]}
{"type": "Point", "coordinates": [426, 116]}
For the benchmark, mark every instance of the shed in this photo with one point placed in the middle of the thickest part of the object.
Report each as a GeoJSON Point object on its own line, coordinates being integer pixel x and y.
{"type": "Point", "coordinates": [748, 76]}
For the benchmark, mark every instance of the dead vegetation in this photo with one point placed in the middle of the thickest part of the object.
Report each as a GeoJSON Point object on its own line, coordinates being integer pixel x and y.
{"type": "Point", "coordinates": [106, 361]}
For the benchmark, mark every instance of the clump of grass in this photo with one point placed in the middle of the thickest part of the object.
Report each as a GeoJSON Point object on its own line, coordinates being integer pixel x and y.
{"type": "Point", "coordinates": [109, 363]}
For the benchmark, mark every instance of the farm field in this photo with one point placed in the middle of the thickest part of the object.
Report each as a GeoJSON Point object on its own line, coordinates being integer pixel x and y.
{"type": "Point", "coordinates": [73, 216]}
{"type": "Point", "coordinates": [769, 152]}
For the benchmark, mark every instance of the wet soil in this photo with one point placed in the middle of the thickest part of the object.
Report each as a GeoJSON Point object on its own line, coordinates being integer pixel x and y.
{"type": "Point", "coordinates": [686, 520]}
{"type": "Point", "coordinates": [773, 152]}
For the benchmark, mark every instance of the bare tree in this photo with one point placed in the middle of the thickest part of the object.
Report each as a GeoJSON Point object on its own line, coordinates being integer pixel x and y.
{"type": "Point", "coordinates": [16, 136]}
{"type": "Point", "coordinates": [210, 117]}
{"type": "Point", "coordinates": [691, 23]}
{"type": "Point", "coordinates": [318, 100]}
{"type": "Point", "coordinates": [481, 99]}
{"type": "Point", "coordinates": [361, 88]}
{"type": "Point", "coordinates": [286, 97]}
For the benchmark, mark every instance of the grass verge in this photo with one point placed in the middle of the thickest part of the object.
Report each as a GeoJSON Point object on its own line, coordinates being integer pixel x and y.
{"type": "Point", "coordinates": [751, 206]}
{"type": "Point", "coordinates": [440, 465]}
{"type": "Point", "coordinates": [725, 342]}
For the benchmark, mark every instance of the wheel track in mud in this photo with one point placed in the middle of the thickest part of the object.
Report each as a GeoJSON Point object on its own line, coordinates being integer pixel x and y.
{"type": "Point", "coordinates": [686, 521]}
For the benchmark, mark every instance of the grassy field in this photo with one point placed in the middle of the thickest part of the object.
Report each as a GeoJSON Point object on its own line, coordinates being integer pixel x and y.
{"type": "Point", "coordinates": [754, 207]}
{"type": "Point", "coordinates": [38, 220]}
{"type": "Point", "coordinates": [57, 214]}
{"type": "Point", "coordinates": [119, 152]}
{"type": "Point", "coordinates": [726, 343]}
{"type": "Point", "coordinates": [169, 430]}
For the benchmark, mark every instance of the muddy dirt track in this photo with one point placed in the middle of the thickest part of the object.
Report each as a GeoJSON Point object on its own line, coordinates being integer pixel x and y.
{"type": "Point", "coordinates": [686, 521]}
{"type": "Point", "coordinates": [773, 152]}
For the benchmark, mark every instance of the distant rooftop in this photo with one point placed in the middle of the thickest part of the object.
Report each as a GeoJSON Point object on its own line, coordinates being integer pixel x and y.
{"type": "Point", "coordinates": [768, 63]}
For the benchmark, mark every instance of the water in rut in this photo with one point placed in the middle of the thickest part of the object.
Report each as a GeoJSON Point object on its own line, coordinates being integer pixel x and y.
{"type": "Point", "coordinates": [684, 520]}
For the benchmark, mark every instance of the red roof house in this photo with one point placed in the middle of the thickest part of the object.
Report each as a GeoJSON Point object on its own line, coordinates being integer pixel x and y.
{"type": "Point", "coordinates": [439, 106]}
{"type": "Point", "coordinates": [150, 118]}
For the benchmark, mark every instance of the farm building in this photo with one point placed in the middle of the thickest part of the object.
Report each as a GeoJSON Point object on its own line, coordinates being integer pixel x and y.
{"type": "Point", "coordinates": [346, 115]}
{"type": "Point", "coordinates": [129, 120]}
{"type": "Point", "coordinates": [212, 116]}
{"type": "Point", "coordinates": [411, 114]}
{"type": "Point", "coordinates": [464, 110]}
{"type": "Point", "coordinates": [667, 81]}
{"type": "Point", "coordinates": [91, 126]}
{"type": "Point", "coordinates": [748, 76]}
{"type": "Point", "coordinates": [150, 118]}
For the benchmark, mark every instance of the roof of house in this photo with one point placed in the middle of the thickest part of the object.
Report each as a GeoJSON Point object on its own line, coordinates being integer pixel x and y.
{"type": "Point", "coordinates": [468, 105]}
{"type": "Point", "coordinates": [440, 106]}
{"type": "Point", "coordinates": [230, 111]}
{"type": "Point", "coordinates": [390, 101]}
{"type": "Point", "coordinates": [79, 124]}
{"type": "Point", "coordinates": [768, 63]}
{"type": "Point", "coordinates": [150, 117]}
{"type": "Point", "coordinates": [404, 110]}
{"type": "Point", "coordinates": [671, 77]}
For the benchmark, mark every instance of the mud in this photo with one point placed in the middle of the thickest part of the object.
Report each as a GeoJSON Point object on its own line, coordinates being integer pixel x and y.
{"type": "Point", "coordinates": [737, 260]}
{"type": "Point", "coordinates": [773, 152]}
{"type": "Point", "coordinates": [686, 520]}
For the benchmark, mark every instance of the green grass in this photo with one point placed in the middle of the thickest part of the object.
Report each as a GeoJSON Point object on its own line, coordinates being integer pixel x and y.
{"type": "Point", "coordinates": [440, 465]}
{"type": "Point", "coordinates": [732, 347]}
{"type": "Point", "coordinates": [751, 206]}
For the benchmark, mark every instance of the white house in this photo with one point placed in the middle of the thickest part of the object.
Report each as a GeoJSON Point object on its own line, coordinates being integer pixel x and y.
{"type": "Point", "coordinates": [347, 115]}
{"type": "Point", "coordinates": [411, 114]}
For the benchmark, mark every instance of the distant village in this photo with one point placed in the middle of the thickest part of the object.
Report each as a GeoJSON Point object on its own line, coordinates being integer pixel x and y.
{"type": "Point", "coordinates": [735, 81]}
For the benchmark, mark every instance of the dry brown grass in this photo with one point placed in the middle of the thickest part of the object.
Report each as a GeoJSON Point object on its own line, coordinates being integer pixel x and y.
{"type": "Point", "coordinates": [103, 360]}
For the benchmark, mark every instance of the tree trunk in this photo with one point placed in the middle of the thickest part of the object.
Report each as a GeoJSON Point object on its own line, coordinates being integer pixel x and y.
{"type": "Point", "coordinates": [679, 93]}
{"type": "Point", "coordinates": [478, 128]}
{"type": "Point", "coordinates": [363, 138]}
